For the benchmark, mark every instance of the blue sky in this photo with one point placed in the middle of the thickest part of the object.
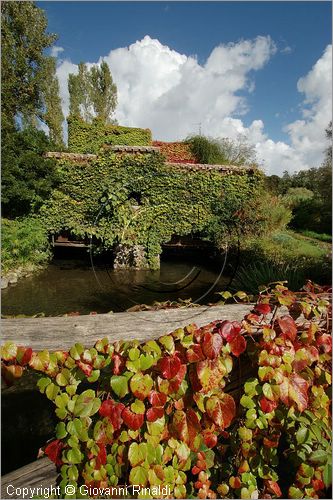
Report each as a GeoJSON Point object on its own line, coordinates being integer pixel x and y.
{"type": "Point", "coordinates": [300, 32]}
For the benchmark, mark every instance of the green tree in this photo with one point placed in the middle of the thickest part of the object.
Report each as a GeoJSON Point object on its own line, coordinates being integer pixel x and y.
{"type": "Point", "coordinates": [24, 39]}
{"type": "Point", "coordinates": [27, 177]}
{"type": "Point", "coordinates": [52, 114]}
{"type": "Point", "coordinates": [103, 92]}
{"type": "Point", "coordinates": [92, 93]}
{"type": "Point", "coordinates": [238, 151]}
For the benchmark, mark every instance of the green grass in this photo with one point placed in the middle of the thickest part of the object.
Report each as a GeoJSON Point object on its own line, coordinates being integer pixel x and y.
{"type": "Point", "coordinates": [318, 236]}
{"type": "Point", "coordinates": [282, 256]}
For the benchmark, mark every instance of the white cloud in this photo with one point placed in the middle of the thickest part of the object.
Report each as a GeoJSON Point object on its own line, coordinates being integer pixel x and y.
{"type": "Point", "coordinates": [172, 93]}
{"type": "Point", "coordinates": [55, 50]}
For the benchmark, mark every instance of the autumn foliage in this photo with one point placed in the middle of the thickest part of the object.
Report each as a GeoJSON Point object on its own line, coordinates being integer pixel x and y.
{"type": "Point", "coordinates": [176, 152]}
{"type": "Point", "coordinates": [168, 412]}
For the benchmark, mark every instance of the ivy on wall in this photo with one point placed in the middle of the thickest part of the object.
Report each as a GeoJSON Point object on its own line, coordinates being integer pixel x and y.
{"type": "Point", "coordinates": [138, 199]}
{"type": "Point", "coordinates": [86, 137]}
{"type": "Point", "coordinates": [178, 152]}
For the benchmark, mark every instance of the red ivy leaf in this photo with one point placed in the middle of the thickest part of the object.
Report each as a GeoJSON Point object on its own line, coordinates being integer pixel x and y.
{"type": "Point", "coordinates": [318, 484]}
{"type": "Point", "coordinates": [169, 366]}
{"type": "Point", "coordinates": [294, 389]}
{"type": "Point", "coordinates": [118, 364]}
{"type": "Point", "coordinates": [87, 369]}
{"type": "Point", "coordinates": [262, 309]}
{"type": "Point", "coordinates": [237, 327]}
{"type": "Point", "coordinates": [154, 413]}
{"type": "Point", "coordinates": [101, 457]}
{"type": "Point", "coordinates": [288, 326]}
{"type": "Point", "coordinates": [267, 406]}
{"type": "Point", "coordinates": [325, 343]}
{"type": "Point", "coordinates": [221, 410]}
{"type": "Point", "coordinates": [53, 451]}
{"type": "Point", "coordinates": [226, 329]}
{"type": "Point", "coordinates": [157, 398]}
{"type": "Point", "coordinates": [211, 345]}
{"type": "Point", "coordinates": [194, 354]}
{"type": "Point", "coordinates": [113, 411]}
{"type": "Point", "coordinates": [23, 355]}
{"type": "Point", "coordinates": [273, 487]}
{"type": "Point", "coordinates": [210, 439]}
{"type": "Point", "coordinates": [186, 426]}
{"type": "Point", "coordinates": [133, 420]}
{"type": "Point", "coordinates": [174, 384]}
{"type": "Point", "coordinates": [237, 345]}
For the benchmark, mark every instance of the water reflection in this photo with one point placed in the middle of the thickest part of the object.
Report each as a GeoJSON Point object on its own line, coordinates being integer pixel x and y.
{"type": "Point", "coordinates": [71, 285]}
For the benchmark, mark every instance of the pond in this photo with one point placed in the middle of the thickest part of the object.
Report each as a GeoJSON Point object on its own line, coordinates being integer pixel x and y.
{"type": "Point", "coordinates": [75, 285]}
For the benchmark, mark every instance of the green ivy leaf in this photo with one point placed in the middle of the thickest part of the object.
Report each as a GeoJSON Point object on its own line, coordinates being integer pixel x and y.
{"type": "Point", "coordinates": [43, 383]}
{"type": "Point", "coordinates": [61, 431]}
{"type": "Point", "coordinates": [302, 435]}
{"type": "Point", "coordinates": [319, 457]}
{"type": "Point", "coordinates": [86, 404]}
{"type": "Point", "coordinates": [119, 385]}
{"type": "Point", "coordinates": [247, 402]}
{"type": "Point", "coordinates": [74, 456]}
{"type": "Point", "coordinates": [327, 475]}
{"type": "Point", "coordinates": [138, 476]}
{"type": "Point", "coordinates": [51, 391]}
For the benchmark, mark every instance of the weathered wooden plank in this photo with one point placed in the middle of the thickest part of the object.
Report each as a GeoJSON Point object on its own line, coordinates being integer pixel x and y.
{"type": "Point", "coordinates": [60, 333]}
{"type": "Point", "coordinates": [41, 473]}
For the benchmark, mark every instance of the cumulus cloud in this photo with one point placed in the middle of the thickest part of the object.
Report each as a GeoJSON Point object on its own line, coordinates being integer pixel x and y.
{"type": "Point", "coordinates": [172, 94]}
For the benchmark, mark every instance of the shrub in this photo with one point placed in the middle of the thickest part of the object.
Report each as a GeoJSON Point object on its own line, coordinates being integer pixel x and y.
{"type": "Point", "coordinates": [206, 150]}
{"type": "Point", "coordinates": [223, 151]}
{"type": "Point", "coordinates": [24, 242]}
{"type": "Point", "coordinates": [161, 414]}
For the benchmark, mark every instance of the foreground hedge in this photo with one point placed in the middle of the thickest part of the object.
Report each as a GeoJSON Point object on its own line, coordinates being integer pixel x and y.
{"type": "Point", "coordinates": [160, 414]}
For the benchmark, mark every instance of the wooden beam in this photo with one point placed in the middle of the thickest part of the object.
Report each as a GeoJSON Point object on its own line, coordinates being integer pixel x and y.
{"type": "Point", "coordinates": [41, 473]}
{"type": "Point", "coordinates": [60, 333]}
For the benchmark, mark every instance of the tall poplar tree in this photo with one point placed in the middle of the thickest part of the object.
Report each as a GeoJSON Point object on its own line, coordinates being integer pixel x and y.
{"type": "Point", "coordinates": [103, 92]}
{"type": "Point", "coordinates": [52, 113]}
{"type": "Point", "coordinates": [93, 94]}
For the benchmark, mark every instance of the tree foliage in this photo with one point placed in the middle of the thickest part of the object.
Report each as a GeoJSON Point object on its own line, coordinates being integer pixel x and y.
{"type": "Point", "coordinates": [165, 412]}
{"type": "Point", "coordinates": [52, 113]}
{"type": "Point", "coordinates": [27, 177]}
{"type": "Point", "coordinates": [92, 93]}
{"type": "Point", "coordinates": [312, 212]}
{"type": "Point", "coordinates": [24, 39]}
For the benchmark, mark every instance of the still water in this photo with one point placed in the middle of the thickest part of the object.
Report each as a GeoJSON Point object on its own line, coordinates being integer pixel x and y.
{"type": "Point", "coordinates": [69, 285]}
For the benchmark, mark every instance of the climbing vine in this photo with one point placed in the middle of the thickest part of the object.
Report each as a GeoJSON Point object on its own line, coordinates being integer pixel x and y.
{"type": "Point", "coordinates": [138, 199]}
{"type": "Point", "coordinates": [84, 137]}
{"type": "Point", "coordinates": [164, 413]}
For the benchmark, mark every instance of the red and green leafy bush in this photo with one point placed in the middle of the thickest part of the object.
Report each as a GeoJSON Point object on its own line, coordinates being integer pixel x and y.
{"type": "Point", "coordinates": [163, 413]}
{"type": "Point", "coordinates": [176, 152]}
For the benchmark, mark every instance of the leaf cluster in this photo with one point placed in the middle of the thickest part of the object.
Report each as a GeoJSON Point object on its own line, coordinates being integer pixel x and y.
{"type": "Point", "coordinates": [84, 137]}
{"type": "Point", "coordinates": [160, 413]}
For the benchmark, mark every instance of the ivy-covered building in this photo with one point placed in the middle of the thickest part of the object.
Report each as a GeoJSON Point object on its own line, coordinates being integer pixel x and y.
{"type": "Point", "coordinates": [122, 193]}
